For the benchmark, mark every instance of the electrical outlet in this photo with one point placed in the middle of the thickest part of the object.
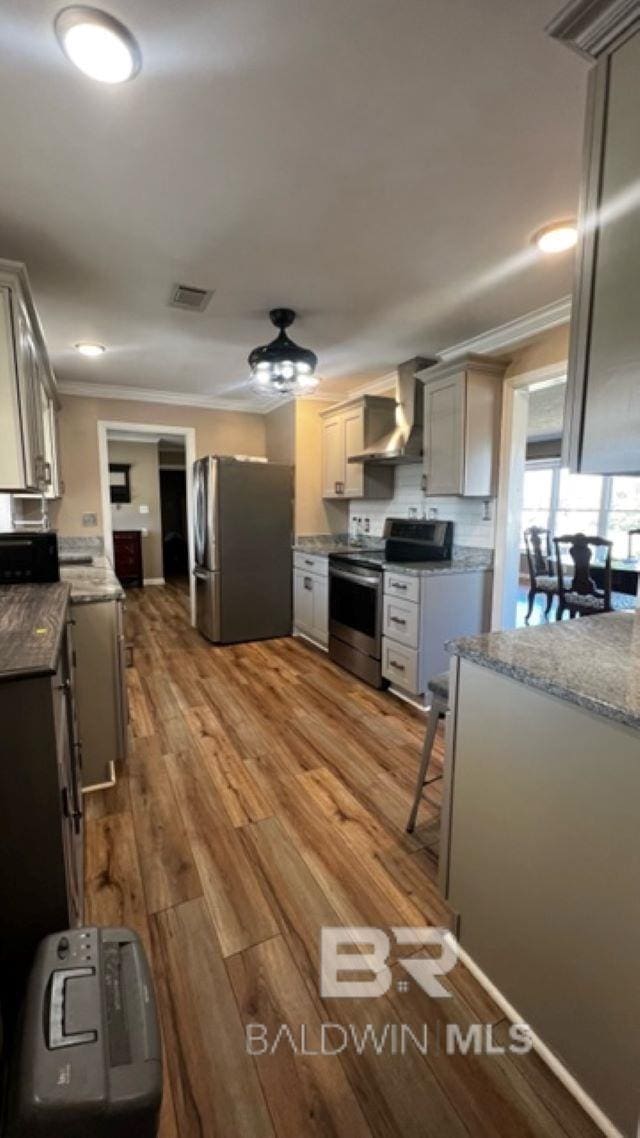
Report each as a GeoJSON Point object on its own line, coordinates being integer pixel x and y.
{"type": "Point", "coordinates": [89, 519]}
{"type": "Point", "coordinates": [367, 525]}
{"type": "Point", "coordinates": [144, 509]}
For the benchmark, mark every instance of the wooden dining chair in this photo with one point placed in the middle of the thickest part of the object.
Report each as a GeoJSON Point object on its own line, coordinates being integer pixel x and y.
{"type": "Point", "coordinates": [542, 579]}
{"type": "Point", "coordinates": [582, 597]}
{"type": "Point", "coordinates": [630, 535]}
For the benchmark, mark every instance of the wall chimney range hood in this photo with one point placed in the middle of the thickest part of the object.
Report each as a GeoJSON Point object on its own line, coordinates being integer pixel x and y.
{"type": "Point", "coordinates": [404, 443]}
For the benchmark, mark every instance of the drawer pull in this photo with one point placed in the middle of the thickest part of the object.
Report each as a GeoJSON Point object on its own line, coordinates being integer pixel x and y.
{"type": "Point", "coordinates": [395, 664]}
{"type": "Point", "coordinates": [397, 585]}
{"type": "Point", "coordinates": [307, 561]}
{"type": "Point", "coordinates": [397, 620]}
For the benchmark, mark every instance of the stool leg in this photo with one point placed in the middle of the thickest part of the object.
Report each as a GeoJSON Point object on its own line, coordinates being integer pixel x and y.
{"type": "Point", "coordinates": [437, 707]}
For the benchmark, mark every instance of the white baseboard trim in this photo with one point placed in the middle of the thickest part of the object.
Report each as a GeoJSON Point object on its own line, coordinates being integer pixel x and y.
{"type": "Point", "coordinates": [411, 700]}
{"type": "Point", "coordinates": [555, 1065]}
{"type": "Point", "coordinates": [153, 581]}
{"type": "Point", "coordinates": [310, 640]}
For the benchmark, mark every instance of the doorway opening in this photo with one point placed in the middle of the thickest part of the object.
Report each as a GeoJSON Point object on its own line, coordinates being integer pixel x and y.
{"type": "Point", "coordinates": [538, 491]}
{"type": "Point", "coordinates": [147, 509]}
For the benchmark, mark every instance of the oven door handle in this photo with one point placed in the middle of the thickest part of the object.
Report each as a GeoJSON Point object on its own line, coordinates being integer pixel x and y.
{"type": "Point", "coordinates": [369, 582]}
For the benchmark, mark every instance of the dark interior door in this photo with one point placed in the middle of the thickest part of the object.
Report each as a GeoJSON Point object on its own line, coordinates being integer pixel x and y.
{"type": "Point", "coordinates": [173, 509]}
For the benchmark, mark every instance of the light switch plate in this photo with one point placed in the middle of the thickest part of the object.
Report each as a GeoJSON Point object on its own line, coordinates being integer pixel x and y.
{"type": "Point", "coordinates": [144, 509]}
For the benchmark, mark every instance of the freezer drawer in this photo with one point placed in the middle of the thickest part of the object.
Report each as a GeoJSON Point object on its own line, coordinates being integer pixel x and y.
{"type": "Point", "coordinates": [208, 604]}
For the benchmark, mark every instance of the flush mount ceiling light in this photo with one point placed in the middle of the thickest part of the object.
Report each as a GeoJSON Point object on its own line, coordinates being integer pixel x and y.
{"type": "Point", "coordinates": [556, 238]}
{"type": "Point", "coordinates": [92, 350]}
{"type": "Point", "coordinates": [282, 366]}
{"type": "Point", "coordinates": [98, 44]}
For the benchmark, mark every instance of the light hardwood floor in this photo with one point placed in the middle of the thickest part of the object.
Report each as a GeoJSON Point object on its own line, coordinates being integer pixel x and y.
{"type": "Point", "coordinates": [265, 797]}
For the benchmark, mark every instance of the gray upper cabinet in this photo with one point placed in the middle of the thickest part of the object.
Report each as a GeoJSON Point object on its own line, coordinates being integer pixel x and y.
{"type": "Point", "coordinates": [348, 429]}
{"type": "Point", "coordinates": [29, 456]}
{"type": "Point", "coordinates": [603, 391]}
{"type": "Point", "coordinates": [462, 401]}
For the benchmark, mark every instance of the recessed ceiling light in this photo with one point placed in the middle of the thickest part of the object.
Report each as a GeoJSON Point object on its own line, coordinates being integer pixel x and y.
{"type": "Point", "coordinates": [556, 238]}
{"type": "Point", "coordinates": [90, 349]}
{"type": "Point", "coordinates": [98, 44]}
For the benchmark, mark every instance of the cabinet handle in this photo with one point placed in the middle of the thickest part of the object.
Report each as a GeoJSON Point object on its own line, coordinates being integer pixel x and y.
{"type": "Point", "coordinates": [395, 664]}
{"type": "Point", "coordinates": [128, 648]}
{"type": "Point", "coordinates": [397, 620]}
{"type": "Point", "coordinates": [308, 584]}
{"type": "Point", "coordinates": [47, 474]}
{"type": "Point", "coordinates": [423, 483]}
{"type": "Point", "coordinates": [307, 562]}
{"type": "Point", "coordinates": [397, 585]}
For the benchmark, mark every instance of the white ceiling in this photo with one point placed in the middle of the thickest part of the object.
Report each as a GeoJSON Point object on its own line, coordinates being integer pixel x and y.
{"type": "Point", "coordinates": [377, 164]}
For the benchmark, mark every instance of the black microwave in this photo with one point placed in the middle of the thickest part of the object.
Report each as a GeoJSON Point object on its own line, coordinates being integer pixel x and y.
{"type": "Point", "coordinates": [28, 558]}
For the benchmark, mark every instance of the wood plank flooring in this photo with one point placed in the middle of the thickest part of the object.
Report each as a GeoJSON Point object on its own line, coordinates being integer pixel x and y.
{"type": "Point", "coordinates": [264, 798]}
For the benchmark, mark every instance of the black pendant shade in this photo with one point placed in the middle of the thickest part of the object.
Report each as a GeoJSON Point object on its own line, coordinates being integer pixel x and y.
{"type": "Point", "coordinates": [283, 366]}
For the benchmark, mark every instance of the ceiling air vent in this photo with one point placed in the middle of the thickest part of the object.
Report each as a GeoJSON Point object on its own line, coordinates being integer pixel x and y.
{"type": "Point", "coordinates": [193, 299]}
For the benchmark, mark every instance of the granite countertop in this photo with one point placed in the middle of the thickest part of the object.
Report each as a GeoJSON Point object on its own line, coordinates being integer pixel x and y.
{"type": "Point", "coordinates": [592, 661]}
{"type": "Point", "coordinates": [93, 583]}
{"type": "Point", "coordinates": [32, 619]}
{"type": "Point", "coordinates": [324, 548]}
{"type": "Point", "coordinates": [465, 560]}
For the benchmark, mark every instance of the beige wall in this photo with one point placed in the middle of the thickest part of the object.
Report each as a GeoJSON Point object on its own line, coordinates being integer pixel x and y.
{"type": "Point", "coordinates": [144, 481]}
{"type": "Point", "coordinates": [280, 429]}
{"type": "Point", "coordinates": [217, 432]}
{"type": "Point", "coordinates": [313, 513]}
{"type": "Point", "coordinates": [550, 348]}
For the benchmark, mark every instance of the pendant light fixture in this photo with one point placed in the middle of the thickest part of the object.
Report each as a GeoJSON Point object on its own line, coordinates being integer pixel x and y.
{"type": "Point", "coordinates": [282, 366]}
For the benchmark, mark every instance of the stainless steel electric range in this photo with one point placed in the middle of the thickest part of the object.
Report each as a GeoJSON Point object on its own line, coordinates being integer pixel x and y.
{"type": "Point", "coordinates": [356, 590]}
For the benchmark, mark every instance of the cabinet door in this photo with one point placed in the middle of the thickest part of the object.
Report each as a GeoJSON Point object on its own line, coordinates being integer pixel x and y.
{"type": "Point", "coordinates": [12, 472]}
{"type": "Point", "coordinates": [444, 435]}
{"type": "Point", "coordinates": [320, 594]}
{"type": "Point", "coordinates": [333, 455]}
{"type": "Point", "coordinates": [354, 444]}
{"type": "Point", "coordinates": [605, 333]}
{"type": "Point", "coordinates": [30, 395]}
{"type": "Point", "coordinates": [303, 601]}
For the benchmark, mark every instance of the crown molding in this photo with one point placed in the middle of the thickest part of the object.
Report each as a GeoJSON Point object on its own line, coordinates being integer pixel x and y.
{"type": "Point", "coordinates": [507, 335]}
{"type": "Point", "coordinates": [512, 333]}
{"type": "Point", "coordinates": [173, 398]}
{"type": "Point", "coordinates": [590, 27]}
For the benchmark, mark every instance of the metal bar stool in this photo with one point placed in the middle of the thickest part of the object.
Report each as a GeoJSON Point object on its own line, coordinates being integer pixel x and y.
{"type": "Point", "coordinates": [439, 688]}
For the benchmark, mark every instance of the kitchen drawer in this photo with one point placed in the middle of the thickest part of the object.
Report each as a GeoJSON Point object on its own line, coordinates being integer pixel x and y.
{"type": "Point", "coordinates": [400, 665]}
{"type": "Point", "coordinates": [402, 585]}
{"type": "Point", "coordinates": [311, 563]}
{"type": "Point", "coordinates": [400, 621]}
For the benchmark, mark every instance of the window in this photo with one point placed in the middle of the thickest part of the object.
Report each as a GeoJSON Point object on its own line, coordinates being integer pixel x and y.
{"type": "Point", "coordinates": [537, 498]}
{"type": "Point", "coordinates": [623, 514]}
{"type": "Point", "coordinates": [579, 504]}
{"type": "Point", "coordinates": [562, 502]}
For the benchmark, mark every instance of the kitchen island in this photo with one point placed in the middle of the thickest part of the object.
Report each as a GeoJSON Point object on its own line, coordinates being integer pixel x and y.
{"type": "Point", "coordinates": [540, 854]}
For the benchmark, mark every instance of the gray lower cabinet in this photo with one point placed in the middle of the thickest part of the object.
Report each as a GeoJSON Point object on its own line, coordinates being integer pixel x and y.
{"type": "Point", "coordinates": [420, 614]}
{"type": "Point", "coordinates": [602, 417]}
{"type": "Point", "coordinates": [311, 597]}
{"type": "Point", "coordinates": [41, 836]}
{"type": "Point", "coordinates": [101, 688]}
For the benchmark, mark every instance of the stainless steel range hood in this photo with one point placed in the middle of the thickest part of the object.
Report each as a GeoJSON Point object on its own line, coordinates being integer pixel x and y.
{"type": "Point", "coordinates": [404, 443]}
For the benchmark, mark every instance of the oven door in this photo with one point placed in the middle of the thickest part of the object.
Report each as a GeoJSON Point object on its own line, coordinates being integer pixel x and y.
{"type": "Point", "coordinates": [355, 608]}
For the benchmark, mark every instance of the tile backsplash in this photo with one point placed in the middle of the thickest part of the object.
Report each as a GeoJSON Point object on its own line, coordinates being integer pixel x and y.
{"type": "Point", "coordinates": [471, 528]}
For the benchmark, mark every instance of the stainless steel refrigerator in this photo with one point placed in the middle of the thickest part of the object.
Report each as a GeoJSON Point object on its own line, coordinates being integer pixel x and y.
{"type": "Point", "coordinates": [243, 538]}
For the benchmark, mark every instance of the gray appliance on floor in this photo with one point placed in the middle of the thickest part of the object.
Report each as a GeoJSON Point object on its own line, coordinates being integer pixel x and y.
{"type": "Point", "coordinates": [356, 590]}
{"type": "Point", "coordinates": [243, 537]}
{"type": "Point", "coordinates": [88, 1060]}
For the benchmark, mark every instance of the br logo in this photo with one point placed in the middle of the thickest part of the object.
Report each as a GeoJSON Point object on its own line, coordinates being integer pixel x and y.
{"type": "Point", "coordinates": [353, 949]}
